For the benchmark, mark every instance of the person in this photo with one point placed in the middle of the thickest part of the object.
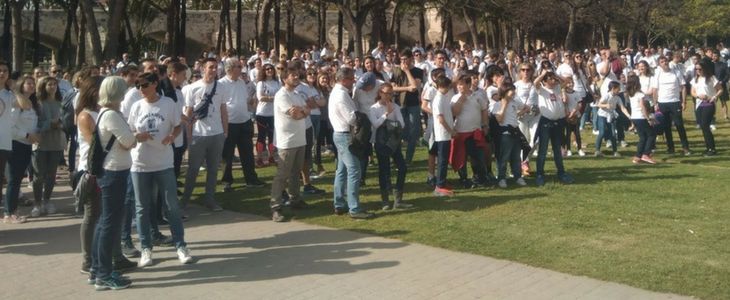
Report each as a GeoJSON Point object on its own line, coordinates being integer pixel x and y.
{"type": "Point", "coordinates": [325, 133]}
{"type": "Point", "coordinates": [366, 90]}
{"type": "Point", "coordinates": [551, 126]}
{"type": "Point", "coordinates": [290, 110]}
{"type": "Point", "coordinates": [707, 89]}
{"type": "Point", "coordinates": [642, 120]}
{"type": "Point", "coordinates": [506, 111]}
{"type": "Point", "coordinates": [722, 74]}
{"type": "Point", "coordinates": [443, 131]}
{"type": "Point", "coordinates": [266, 87]}
{"type": "Point", "coordinates": [209, 129]}
{"type": "Point", "coordinates": [528, 119]}
{"type": "Point", "coordinates": [387, 121]}
{"type": "Point", "coordinates": [470, 112]}
{"type": "Point", "coordinates": [669, 99]}
{"type": "Point", "coordinates": [48, 152]}
{"type": "Point", "coordinates": [341, 109]}
{"type": "Point", "coordinates": [429, 93]}
{"type": "Point", "coordinates": [407, 80]}
{"type": "Point", "coordinates": [240, 125]}
{"type": "Point", "coordinates": [23, 115]}
{"type": "Point", "coordinates": [157, 119]}
{"type": "Point", "coordinates": [607, 116]}
{"type": "Point", "coordinates": [112, 182]}
{"type": "Point", "coordinates": [313, 100]}
{"type": "Point", "coordinates": [316, 118]}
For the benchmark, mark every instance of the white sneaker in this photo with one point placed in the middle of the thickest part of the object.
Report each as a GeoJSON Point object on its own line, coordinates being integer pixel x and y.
{"type": "Point", "coordinates": [595, 132]}
{"type": "Point", "coordinates": [609, 144]}
{"type": "Point", "coordinates": [183, 254]}
{"type": "Point", "coordinates": [50, 208]}
{"type": "Point", "coordinates": [569, 153]}
{"type": "Point", "coordinates": [502, 184]}
{"type": "Point", "coordinates": [616, 154]}
{"type": "Point", "coordinates": [521, 181]}
{"type": "Point", "coordinates": [581, 152]}
{"type": "Point", "coordinates": [36, 212]}
{"type": "Point", "coordinates": [713, 127]}
{"type": "Point", "coordinates": [624, 144]}
{"type": "Point", "coordinates": [146, 258]}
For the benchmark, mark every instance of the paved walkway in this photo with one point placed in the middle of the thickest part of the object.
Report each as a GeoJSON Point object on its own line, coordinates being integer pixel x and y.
{"type": "Point", "coordinates": [242, 256]}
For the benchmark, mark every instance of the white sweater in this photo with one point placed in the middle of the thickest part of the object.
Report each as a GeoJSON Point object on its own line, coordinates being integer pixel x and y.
{"type": "Point", "coordinates": [112, 123]}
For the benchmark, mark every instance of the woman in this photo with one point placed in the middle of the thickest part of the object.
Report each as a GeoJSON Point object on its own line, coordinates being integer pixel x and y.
{"type": "Point", "coordinates": [528, 118]}
{"type": "Point", "coordinates": [575, 70]}
{"type": "Point", "coordinates": [370, 65]}
{"type": "Point", "coordinates": [461, 68]}
{"type": "Point", "coordinates": [112, 181]}
{"type": "Point", "coordinates": [387, 121]}
{"type": "Point", "coordinates": [7, 100]}
{"type": "Point", "coordinates": [316, 117]}
{"type": "Point", "coordinates": [325, 134]}
{"type": "Point", "coordinates": [593, 78]}
{"type": "Point", "coordinates": [641, 119]}
{"type": "Point", "coordinates": [266, 87]}
{"type": "Point", "coordinates": [48, 152]}
{"type": "Point", "coordinates": [706, 89]}
{"type": "Point", "coordinates": [551, 126]}
{"type": "Point", "coordinates": [25, 124]}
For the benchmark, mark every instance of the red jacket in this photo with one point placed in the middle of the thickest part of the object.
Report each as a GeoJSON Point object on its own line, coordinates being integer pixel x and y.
{"type": "Point", "coordinates": [457, 157]}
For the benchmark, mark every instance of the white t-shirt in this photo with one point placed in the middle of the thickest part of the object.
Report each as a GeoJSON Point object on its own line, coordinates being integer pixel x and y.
{"type": "Point", "coordinates": [365, 99]}
{"type": "Point", "coordinates": [7, 98]}
{"type": "Point", "coordinates": [194, 96]}
{"type": "Point", "coordinates": [636, 102]}
{"type": "Point", "coordinates": [304, 92]}
{"type": "Point", "coordinates": [470, 118]}
{"type": "Point", "coordinates": [702, 88]}
{"type": "Point", "coordinates": [442, 107]}
{"type": "Point", "coordinates": [612, 101]}
{"type": "Point", "coordinates": [159, 119]}
{"type": "Point", "coordinates": [237, 100]}
{"type": "Point", "coordinates": [492, 91]}
{"type": "Point", "coordinates": [266, 88]}
{"type": "Point", "coordinates": [133, 95]}
{"type": "Point", "coordinates": [311, 91]}
{"type": "Point", "coordinates": [525, 93]}
{"type": "Point", "coordinates": [645, 82]}
{"type": "Point", "coordinates": [550, 102]}
{"type": "Point", "coordinates": [668, 85]}
{"type": "Point", "coordinates": [288, 133]}
{"type": "Point", "coordinates": [377, 117]}
{"type": "Point", "coordinates": [181, 108]}
{"type": "Point", "coordinates": [510, 113]}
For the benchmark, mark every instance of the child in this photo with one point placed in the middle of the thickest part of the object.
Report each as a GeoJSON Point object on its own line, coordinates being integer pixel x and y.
{"type": "Point", "coordinates": [574, 115]}
{"type": "Point", "coordinates": [443, 131]}
{"type": "Point", "coordinates": [505, 111]}
{"type": "Point", "coordinates": [429, 93]}
{"type": "Point", "coordinates": [607, 116]}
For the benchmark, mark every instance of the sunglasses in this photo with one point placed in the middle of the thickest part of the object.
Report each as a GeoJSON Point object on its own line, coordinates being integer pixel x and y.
{"type": "Point", "coordinates": [526, 70]}
{"type": "Point", "coordinates": [144, 85]}
{"type": "Point", "coordinates": [269, 69]}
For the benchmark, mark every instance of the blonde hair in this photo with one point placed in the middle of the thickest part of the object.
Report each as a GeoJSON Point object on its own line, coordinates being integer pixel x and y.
{"type": "Point", "coordinates": [112, 91]}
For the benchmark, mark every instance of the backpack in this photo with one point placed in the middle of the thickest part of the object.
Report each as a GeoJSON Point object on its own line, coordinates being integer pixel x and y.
{"type": "Point", "coordinates": [97, 153]}
{"type": "Point", "coordinates": [68, 113]}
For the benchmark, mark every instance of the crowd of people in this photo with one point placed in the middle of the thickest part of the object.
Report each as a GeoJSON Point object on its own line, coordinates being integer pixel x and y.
{"type": "Point", "coordinates": [468, 106]}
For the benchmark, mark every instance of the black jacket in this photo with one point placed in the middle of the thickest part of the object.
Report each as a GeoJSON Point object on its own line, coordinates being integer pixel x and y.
{"type": "Point", "coordinates": [361, 133]}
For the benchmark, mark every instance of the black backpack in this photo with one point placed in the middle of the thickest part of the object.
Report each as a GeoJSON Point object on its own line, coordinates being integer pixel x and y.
{"type": "Point", "coordinates": [68, 113]}
{"type": "Point", "coordinates": [97, 153]}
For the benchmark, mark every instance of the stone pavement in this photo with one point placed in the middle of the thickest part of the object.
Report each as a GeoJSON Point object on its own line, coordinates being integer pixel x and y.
{"type": "Point", "coordinates": [241, 256]}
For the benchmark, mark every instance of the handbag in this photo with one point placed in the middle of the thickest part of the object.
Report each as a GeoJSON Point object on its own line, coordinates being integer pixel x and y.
{"type": "Point", "coordinates": [201, 112]}
{"type": "Point", "coordinates": [87, 191]}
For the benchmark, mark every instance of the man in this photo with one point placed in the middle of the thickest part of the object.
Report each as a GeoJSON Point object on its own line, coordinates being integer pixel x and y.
{"type": "Point", "coordinates": [341, 111]}
{"type": "Point", "coordinates": [240, 126]}
{"type": "Point", "coordinates": [406, 83]}
{"type": "Point", "coordinates": [290, 112]}
{"type": "Point", "coordinates": [125, 61]}
{"type": "Point", "coordinates": [723, 75]}
{"type": "Point", "coordinates": [379, 51]}
{"type": "Point", "coordinates": [420, 62]}
{"type": "Point", "coordinates": [63, 85]}
{"type": "Point", "coordinates": [38, 73]}
{"type": "Point", "coordinates": [209, 130]}
{"type": "Point", "coordinates": [669, 98]}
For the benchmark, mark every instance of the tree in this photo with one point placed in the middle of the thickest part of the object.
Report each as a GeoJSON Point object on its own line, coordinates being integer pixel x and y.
{"type": "Point", "coordinates": [36, 33]}
{"type": "Point", "coordinates": [17, 30]}
{"type": "Point", "coordinates": [354, 14]}
{"type": "Point", "coordinates": [262, 23]}
{"type": "Point", "coordinates": [114, 28]}
{"type": "Point", "coordinates": [87, 8]}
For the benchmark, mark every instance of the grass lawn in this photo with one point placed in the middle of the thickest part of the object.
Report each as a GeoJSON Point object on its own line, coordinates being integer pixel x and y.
{"type": "Point", "coordinates": [662, 227]}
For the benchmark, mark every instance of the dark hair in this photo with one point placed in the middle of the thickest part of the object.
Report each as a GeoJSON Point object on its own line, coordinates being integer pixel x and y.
{"type": "Point", "coordinates": [493, 70]}
{"type": "Point", "coordinates": [262, 75]}
{"type": "Point", "coordinates": [209, 59]}
{"type": "Point", "coordinates": [41, 92]}
{"type": "Point", "coordinates": [648, 69]}
{"type": "Point", "coordinates": [407, 53]}
{"type": "Point", "coordinates": [176, 67]}
{"type": "Point", "coordinates": [89, 94]}
{"type": "Point", "coordinates": [633, 85]}
{"type": "Point", "coordinates": [613, 85]}
{"type": "Point", "coordinates": [5, 63]}
{"type": "Point", "coordinates": [464, 79]}
{"type": "Point", "coordinates": [124, 71]}
{"type": "Point", "coordinates": [504, 89]}
{"type": "Point", "coordinates": [436, 73]}
{"type": "Point", "coordinates": [443, 82]}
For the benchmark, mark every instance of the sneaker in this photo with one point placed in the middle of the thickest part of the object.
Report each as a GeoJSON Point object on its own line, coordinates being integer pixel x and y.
{"type": "Point", "coordinates": [277, 216]}
{"type": "Point", "coordinates": [598, 154]}
{"type": "Point", "coordinates": [385, 206]}
{"type": "Point", "coordinates": [467, 183]}
{"type": "Point", "coordinates": [521, 181]}
{"type": "Point", "coordinates": [709, 153]}
{"type": "Point", "coordinates": [442, 192]}
{"type": "Point", "coordinates": [502, 183]}
{"type": "Point", "coordinates": [401, 205]}
{"type": "Point", "coordinates": [616, 154]}
{"type": "Point", "coordinates": [123, 264]}
{"type": "Point", "coordinates": [255, 183]}
{"type": "Point", "coordinates": [227, 188]}
{"type": "Point", "coordinates": [713, 127]}
{"type": "Point", "coordinates": [85, 268]}
{"type": "Point", "coordinates": [35, 212]}
{"type": "Point", "coordinates": [568, 153]}
{"type": "Point", "coordinates": [636, 160]}
{"type": "Point", "coordinates": [113, 283]}
{"type": "Point", "coordinates": [431, 181]}
{"type": "Point", "coordinates": [183, 254]}
{"type": "Point", "coordinates": [595, 132]}
{"type": "Point", "coordinates": [581, 153]}
{"type": "Point", "coordinates": [624, 144]}
{"type": "Point", "coordinates": [566, 178]}
{"type": "Point", "coordinates": [540, 180]}
{"type": "Point", "coordinates": [686, 152]}
{"type": "Point", "coordinates": [146, 259]}
{"type": "Point", "coordinates": [14, 219]}
{"type": "Point", "coordinates": [340, 211]}
{"type": "Point", "coordinates": [162, 241]}
{"type": "Point", "coordinates": [648, 159]}
{"type": "Point", "coordinates": [361, 215]}
{"type": "Point", "coordinates": [312, 190]}
{"type": "Point", "coordinates": [128, 250]}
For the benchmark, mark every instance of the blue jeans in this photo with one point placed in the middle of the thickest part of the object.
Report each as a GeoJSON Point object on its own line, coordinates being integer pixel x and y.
{"type": "Point", "coordinates": [509, 152]}
{"type": "Point", "coordinates": [17, 164]}
{"type": "Point", "coordinates": [384, 154]}
{"type": "Point", "coordinates": [146, 185]}
{"type": "Point", "coordinates": [113, 186]}
{"type": "Point", "coordinates": [550, 131]}
{"type": "Point", "coordinates": [605, 130]}
{"type": "Point", "coordinates": [442, 162]}
{"type": "Point", "coordinates": [647, 137]}
{"type": "Point", "coordinates": [347, 176]}
{"type": "Point", "coordinates": [412, 129]}
{"type": "Point", "coordinates": [128, 212]}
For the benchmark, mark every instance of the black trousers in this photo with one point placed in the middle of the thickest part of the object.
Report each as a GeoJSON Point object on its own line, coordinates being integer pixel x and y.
{"type": "Point", "coordinates": [240, 136]}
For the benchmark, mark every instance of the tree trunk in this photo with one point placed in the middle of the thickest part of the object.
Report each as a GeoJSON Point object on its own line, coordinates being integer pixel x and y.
{"type": "Point", "coordinates": [6, 49]}
{"type": "Point", "coordinates": [277, 26]}
{"type": "Point", "coordinates": [340, 27]}
{"type": "Point", "coordinates": [262, 24]}
{"type": "Point", "coordinates": [114, 28]}
{"type": "Point", "coordinates": [289, 28]}
{"type": "Point", "coordinates": [321, 23]}
{"type": "Point", "coordinates": [395, 27]}
{"type": "Point", "coordinates": [172, 23]}
{"type": "Point", "coordinates": [18, 51]}
{"type": "Point", "coordinates": [228, 23]}
{"type": "Point", "coordinates": [81, 42]}
{"type": "Point", "coordinates": [422, 27]}
{"type": "Point", "coordinates": [472, 25]}
{"type": "Point", "coordinates": [182, 32]}
{"type": "Point", "coordinates": [379, 31]}
{"type": "Point", "coordinates": [239, 27]}
{"type": "Point", "coordinates": [88, 9]}
{"type": "Point", "coordinates": [36, 33]}
{"type": "Point", "coordinates": [572, 16]}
